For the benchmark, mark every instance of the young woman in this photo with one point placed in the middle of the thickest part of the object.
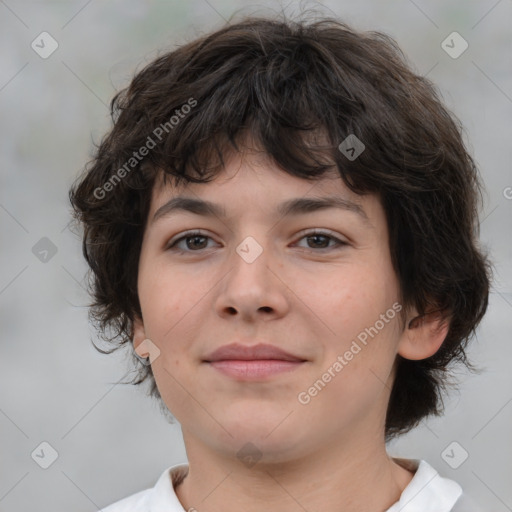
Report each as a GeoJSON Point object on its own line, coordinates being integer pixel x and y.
{"type": "Point", "coordinates": [282, 223]}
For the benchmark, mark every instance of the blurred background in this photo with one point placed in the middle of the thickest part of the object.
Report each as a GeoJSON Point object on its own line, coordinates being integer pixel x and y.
{"type": "Point", "coordinates": [71, 437]}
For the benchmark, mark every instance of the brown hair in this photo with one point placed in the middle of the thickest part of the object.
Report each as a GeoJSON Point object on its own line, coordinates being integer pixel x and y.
{"type": "Point", "coordinates": [281, 81]}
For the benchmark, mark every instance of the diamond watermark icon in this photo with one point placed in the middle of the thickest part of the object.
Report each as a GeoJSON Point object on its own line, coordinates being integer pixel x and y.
{"type": "Point", "coordinates": [249, 454]}
{"type": "Point", "coordinates": [44, 250]}
{"type": "Point", "coordinates": [454, 455]}
{"type": "Point", "coordinates": [249, 249]}
{"type": "Point", "coordinates": [147, 346]}
{"type": "Point", "coordinates": [45, 455]}
{"type": "Point", "coordinates": [351, 147]}
{"type": "Point", "coordinates": [454, 45]}
{"type": "Point", "coordinates": [44, 45]}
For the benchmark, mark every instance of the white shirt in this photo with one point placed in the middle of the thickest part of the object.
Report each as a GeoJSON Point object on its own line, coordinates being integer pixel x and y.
{"type": "Point", "coordinates": [426, 492]}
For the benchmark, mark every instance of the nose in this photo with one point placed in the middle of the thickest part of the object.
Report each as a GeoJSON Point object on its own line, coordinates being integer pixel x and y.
{"type": "Point", "coordinates": [255, 286]}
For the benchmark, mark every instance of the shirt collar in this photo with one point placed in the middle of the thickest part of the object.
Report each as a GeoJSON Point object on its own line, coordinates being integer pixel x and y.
{"type": "Point", "coordinates": [426, 492]}
{"type": "Point", "coordinates": [164, 498]}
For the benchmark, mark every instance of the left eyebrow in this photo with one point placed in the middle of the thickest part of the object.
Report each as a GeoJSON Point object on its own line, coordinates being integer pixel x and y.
{"type": "Point", "coordinates": [296, 206]}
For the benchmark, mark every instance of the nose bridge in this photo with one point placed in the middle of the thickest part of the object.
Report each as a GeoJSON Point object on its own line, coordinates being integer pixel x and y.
{"type": "Point", "coordinates": [250, 262]}
{"type": "Point", "coordinates": [250, 250]}
{"type": "Point", "coordinates": [250, 284]}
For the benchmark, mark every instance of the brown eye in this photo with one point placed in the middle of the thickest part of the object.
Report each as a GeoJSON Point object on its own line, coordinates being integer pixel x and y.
{"type": "Point", "coordinates": [320, 240]}
{"type": "Point", "coordinates": [194, 242]}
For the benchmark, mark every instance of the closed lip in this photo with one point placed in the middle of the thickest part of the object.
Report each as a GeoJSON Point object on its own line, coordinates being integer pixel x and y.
{"type": "Point", "coordinates": [238, 352]}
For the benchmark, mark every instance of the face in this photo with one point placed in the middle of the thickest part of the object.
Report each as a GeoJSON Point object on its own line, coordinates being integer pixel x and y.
{"type": "Point", "coordinates": [317, 283]}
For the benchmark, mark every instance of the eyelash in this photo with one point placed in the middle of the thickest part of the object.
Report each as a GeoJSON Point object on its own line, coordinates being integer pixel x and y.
{"type": "Point", "coordinates": [192, 234]}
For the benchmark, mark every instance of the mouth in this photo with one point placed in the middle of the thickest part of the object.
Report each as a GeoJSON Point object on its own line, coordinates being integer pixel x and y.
{"type": "Point", "coordinates": [254, 369]}
{"type": "Point", "coordinates": [252, 362]}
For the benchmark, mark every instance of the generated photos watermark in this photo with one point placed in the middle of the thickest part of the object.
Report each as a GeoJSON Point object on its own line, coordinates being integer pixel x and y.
{"type": "Point", "coordinates": [143, 151]}
{"type": "Point", "coordinates": [304, 397]}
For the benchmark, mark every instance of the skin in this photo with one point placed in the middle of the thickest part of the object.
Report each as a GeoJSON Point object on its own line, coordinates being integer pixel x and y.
{"type": "Point", "coordinates": [307, 299]}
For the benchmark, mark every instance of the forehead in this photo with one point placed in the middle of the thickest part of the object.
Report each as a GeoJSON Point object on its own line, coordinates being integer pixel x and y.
{"type": "Point", "coordinates": [252, 181]}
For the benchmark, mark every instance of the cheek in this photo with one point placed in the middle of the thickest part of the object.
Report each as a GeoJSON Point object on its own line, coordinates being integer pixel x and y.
{"type": "Point", "coordinates": [173, 305]}
{"type": "Point", "coordinates": [358, 321]}
{"type": "Point", "coordinates": [166, 296]}
{"type": "Point", "coordinates": [347, 299]}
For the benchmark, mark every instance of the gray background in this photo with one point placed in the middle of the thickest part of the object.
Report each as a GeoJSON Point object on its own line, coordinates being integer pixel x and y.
{"type": "Point", "coordinates": [112, 440]}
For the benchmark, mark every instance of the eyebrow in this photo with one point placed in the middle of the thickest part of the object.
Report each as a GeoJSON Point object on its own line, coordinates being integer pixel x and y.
{"type": "Point", "coordinates": [297, 206]}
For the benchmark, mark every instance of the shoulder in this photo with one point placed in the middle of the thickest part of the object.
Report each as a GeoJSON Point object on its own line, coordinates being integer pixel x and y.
{"type": "Point", "coordinates": [160, 497]}
{"type": "Point", "coordinates": [427, 490]}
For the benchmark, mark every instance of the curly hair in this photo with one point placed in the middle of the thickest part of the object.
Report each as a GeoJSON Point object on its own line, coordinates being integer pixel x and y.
{"type": "Point", "coordinates": [281, 81]}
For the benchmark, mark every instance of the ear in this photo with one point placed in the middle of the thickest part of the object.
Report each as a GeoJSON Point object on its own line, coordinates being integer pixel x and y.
{"type": "Point", "coordinates": [139, 336]}
{"type": "Point", "coordinates": [423, 335]}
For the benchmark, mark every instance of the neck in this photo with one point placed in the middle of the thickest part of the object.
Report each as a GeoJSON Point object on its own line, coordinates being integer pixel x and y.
{"type": "Point", "coordinates": [349, 476]}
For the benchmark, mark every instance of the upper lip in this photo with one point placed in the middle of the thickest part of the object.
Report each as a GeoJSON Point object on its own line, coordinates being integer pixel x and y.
{"type": "Point", "coordinates": [236, 351]}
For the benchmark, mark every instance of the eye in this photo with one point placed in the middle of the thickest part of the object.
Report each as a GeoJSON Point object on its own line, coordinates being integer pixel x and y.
{"type": "Point", "coordinates": [197, 238]}
{"type": "Point", "coordinates": [198, 241]}
{"type": "Point", "coordinates": [319, 237]}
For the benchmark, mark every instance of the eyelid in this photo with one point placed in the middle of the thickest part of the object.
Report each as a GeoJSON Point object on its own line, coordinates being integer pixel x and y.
{"type": "Point", "coordinates": [186, 234]}
{"type": "Point", "coordinates": [320, 231]}
{"type": "Point", "coordinates": [338, 239]}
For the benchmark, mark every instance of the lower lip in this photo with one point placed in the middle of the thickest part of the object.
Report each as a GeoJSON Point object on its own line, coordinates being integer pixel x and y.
{"type": "Point", "coordinates": [255, 369]}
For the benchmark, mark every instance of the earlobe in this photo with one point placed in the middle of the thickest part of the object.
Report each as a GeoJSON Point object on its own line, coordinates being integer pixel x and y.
{"type": "Point", "coordinates": [139, 337]}
{"type": "Point", "coordinates": [423, 335]}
